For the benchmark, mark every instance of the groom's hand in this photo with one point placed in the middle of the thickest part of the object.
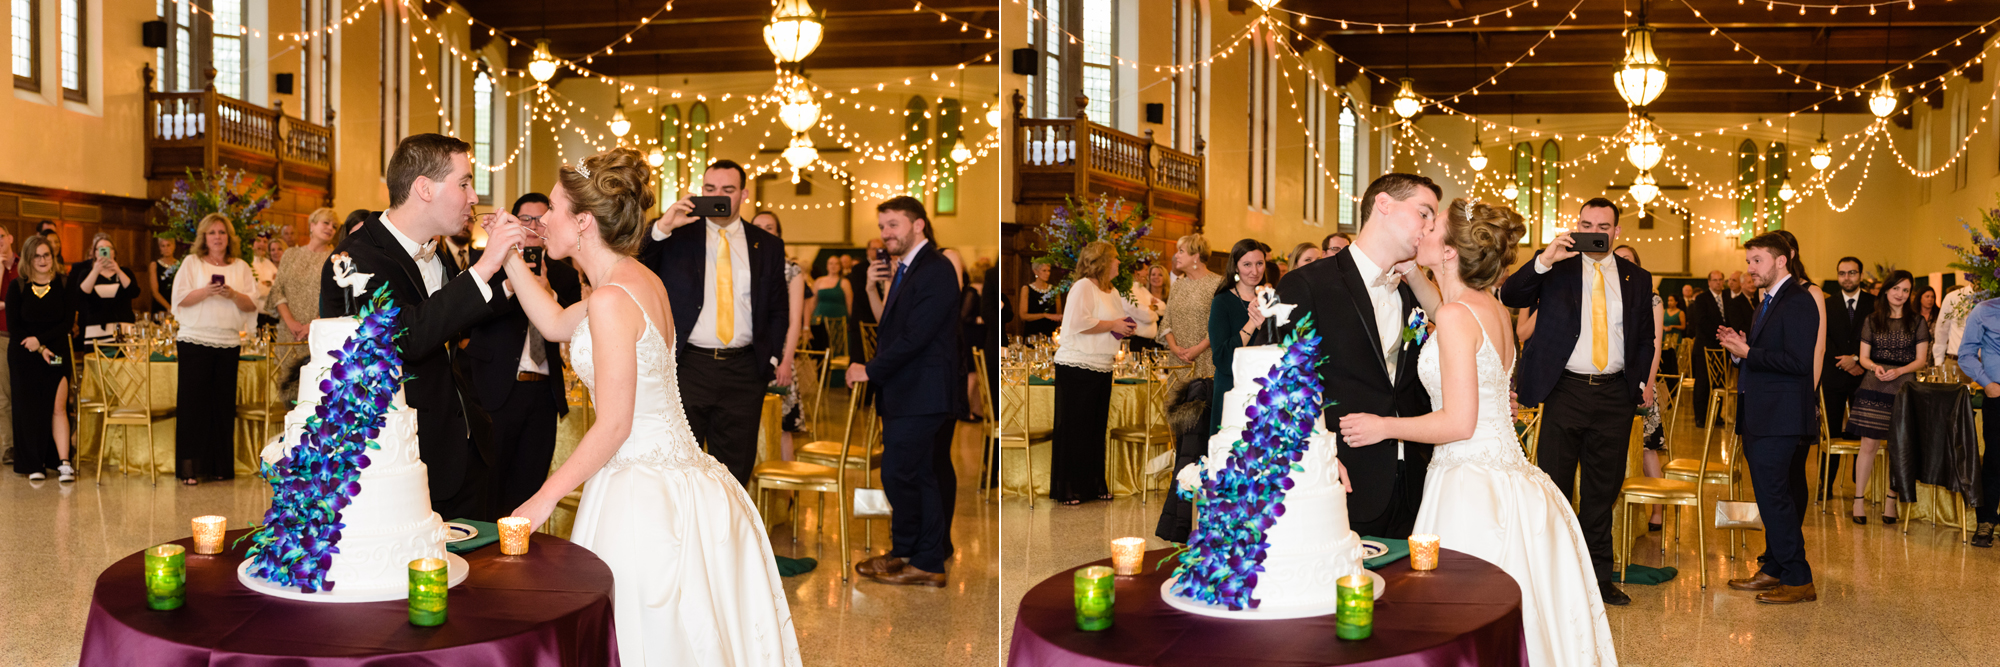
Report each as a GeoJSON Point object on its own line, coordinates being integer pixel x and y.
{"type": "Point", "coordinates": [501, 238]}
{"type": "Point", "coordinates": [1361, 429]}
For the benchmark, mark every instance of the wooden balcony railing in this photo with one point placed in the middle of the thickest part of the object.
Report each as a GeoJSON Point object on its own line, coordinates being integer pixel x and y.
{"type": "Point", "coordinates": [205, 130]}
{"type": "Point", "coordinates": [1073, 158]}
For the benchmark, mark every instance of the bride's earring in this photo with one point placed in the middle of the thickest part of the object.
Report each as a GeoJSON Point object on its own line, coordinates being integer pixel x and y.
{"type": "Point", "coordinates": [579, 238]}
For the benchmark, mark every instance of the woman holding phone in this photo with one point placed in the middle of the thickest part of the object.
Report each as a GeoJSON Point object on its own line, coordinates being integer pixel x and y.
{"type": "Point", "coordinates": [212, 301]}
{"type": "Point", "coordinates": [104, 293]}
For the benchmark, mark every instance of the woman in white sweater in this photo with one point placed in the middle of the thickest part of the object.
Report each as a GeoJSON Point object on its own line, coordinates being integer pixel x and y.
{"type": "Point", "coordinates": [1093, 321]}
{"type": "Point", "coordinates": [213, 304]}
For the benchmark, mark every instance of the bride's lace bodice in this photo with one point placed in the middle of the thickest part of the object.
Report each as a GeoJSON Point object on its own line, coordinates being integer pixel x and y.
{"type": "Point", "coordinates": [1493, 440]}
{"type": "Point", "coordinates": [660, 433]}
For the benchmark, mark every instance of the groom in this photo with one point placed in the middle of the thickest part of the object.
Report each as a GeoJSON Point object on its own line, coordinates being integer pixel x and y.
{"type": "Point", "coordinates": [1360, 307]}
{"type": "Point", "coordinates": [430, 195]}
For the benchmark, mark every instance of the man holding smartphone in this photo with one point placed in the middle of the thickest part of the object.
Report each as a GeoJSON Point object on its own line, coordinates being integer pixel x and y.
{"type": "Point", "coordinates": [1592, 359]}
{"type": "Point", "coordinates": [726, 280]}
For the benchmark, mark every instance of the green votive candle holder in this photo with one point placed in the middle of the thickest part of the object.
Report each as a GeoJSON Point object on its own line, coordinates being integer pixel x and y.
{"type": "Point", "coordinates": [429, 585]}
{"type": "Point", "coordinates": [1094, 596]}
{"type": "Point", "coordinates": [1355, 618]}
{"type": "Point", "coordinates": [166, 577]}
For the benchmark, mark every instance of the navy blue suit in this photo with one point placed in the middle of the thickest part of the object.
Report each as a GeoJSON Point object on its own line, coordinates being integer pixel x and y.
{"type": "Point", "coordinates": [1775, 414]}
{"type": "Point", "coordinates": [917, 372]}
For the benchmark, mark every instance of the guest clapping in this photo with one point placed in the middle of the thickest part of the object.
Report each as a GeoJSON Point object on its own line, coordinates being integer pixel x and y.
{"type": "Point", "coordinates": [212, 302]}
{"type": "Point", "coordinates": [39, 313]}
{"type": "Point", "coordinates": [104, 292]}
{"type": "Point", "coordinates": [1093, 322]}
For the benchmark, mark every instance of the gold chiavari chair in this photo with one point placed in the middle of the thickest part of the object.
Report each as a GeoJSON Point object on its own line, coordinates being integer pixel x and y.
{"type": "Point", "coordinates": [836, 341]}
{"type": "Point", "coordinates": [267, 405]}
{"type": "Point", "coordinates": [1024, 436]}
{"type": "Point", "coordinates": [1531, 436]}
{"type": "Point", "coordinates": [809, 372]}
{"type": "Point", "coordinates": [1639, 489]}
{"type": "Point", "coordinates": [125, 375]}
{"type": "Point", "coordinates": [796, 476]}
{"type": "Point", "coordinates": [1831, 446]}
{"type": "Point", "coordinates": [88, 396]}
{"type": "Point", "coordinates": [868, 339]}
{"type": "Point", "coordinates": [1136, 441]}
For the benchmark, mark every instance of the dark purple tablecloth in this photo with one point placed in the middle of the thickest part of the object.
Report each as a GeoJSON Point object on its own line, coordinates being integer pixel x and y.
{"type": "Point", "coordinates": [1466, 612]}
{"type": "Point", "coordinates": [549, 607]}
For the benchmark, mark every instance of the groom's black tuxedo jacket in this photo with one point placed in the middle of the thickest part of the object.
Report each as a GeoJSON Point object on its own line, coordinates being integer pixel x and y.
{"type": "Point", "coordinates": [451, 427]}
{"type": "Point", "coordinates": [1353, 377]}
{"type": "Point", "coordinates": [1558, 297]}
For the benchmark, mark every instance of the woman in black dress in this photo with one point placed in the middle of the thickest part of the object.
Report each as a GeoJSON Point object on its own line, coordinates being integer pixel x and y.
{"type": "Point", "coordinates": [163, 274]}
{"type": "Point", "coordinates": [1041, 314]}
{"type": "Point", "coordinates": [1895, 344]}
{"type": "Point", "coordinates": [1232, 322]}
{"type": "Point", "coordinates": [39, 312]}
{"type": "Point", "coordinates": [104, 293]}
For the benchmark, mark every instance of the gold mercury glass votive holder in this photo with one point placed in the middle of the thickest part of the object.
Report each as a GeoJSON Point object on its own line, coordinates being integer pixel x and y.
{"type": "Point", "coordinates": [1423, 552]}
{"type": "Point", "coordinates": [429, 586]}
{"type": "Point", "coordinates": [1355, 617]}
{"type": "Point", "coordinates": [1126, 553]}
{"type": "Point", "coordinates": [166, 577]}
{"type": "Point", "coordinates": [208, 534]}
{"type": "Point", "coordinates": [1094, 597]}
{"type": "Point", "coordinates": [514, 532]}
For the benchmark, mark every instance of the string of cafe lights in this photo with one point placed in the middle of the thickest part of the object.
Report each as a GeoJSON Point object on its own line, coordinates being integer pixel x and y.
{"type": "Point", "coordinates": [1756, 58]}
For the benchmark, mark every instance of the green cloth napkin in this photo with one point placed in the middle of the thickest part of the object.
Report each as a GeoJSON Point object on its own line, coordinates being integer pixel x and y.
{"type": "Point", "coordinates": [488, 534]}
{"type": "Point", "coordinates": [792, 567]}
{"type": "Point", "coordinates": [1037, 381]}
{"type": "Point", "coordinates": [250, 357]}
{"type": "Point", "coordinates": [161, 357]}
{"type": "Point", "coordinates": [1650, 576]}
{"type": "Point", "coordinates": [1398, 550]}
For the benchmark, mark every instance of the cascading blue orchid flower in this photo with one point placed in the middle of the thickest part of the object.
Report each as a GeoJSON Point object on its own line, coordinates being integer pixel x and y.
{"type": "Point", "coordinates": [1244, 498]}
{"type": "Point", "coordinates": [319, 477]}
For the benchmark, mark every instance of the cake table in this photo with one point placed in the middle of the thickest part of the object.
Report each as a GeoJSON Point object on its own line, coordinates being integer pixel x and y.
{"type": "Point", "coordinates": [1466, 612]}
{"type": "Point", "coordinates": [549, 607]}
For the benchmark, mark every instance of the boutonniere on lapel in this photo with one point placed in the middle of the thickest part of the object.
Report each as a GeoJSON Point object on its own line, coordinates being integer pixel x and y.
{"type": "Point", "coordinates": [1417, 329]}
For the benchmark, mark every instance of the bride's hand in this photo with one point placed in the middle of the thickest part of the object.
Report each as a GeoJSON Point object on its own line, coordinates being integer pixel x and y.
{"type": "Point", "coordinates": [1361, 429]}
{"type": "Point", "coordinates": [536, 510]}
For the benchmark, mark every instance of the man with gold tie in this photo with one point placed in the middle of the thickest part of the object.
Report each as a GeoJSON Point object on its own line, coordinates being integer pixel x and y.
{"type": "Point", "coordinates": [1592, 359]}
{"type": "Point", "coordinates": [726, 281]}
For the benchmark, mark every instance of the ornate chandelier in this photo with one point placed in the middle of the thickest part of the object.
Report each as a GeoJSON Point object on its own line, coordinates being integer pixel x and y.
{"type": "Point", "coordinates": [619, 124]}
{"type": "Point", "coordinates": [1511, 190]}
{"type": "Point", "coordinates": [1785, 191]}
{"type": "Point", "coordinates": [1644, 150]}
{"type": "Point", "coordinates": [1407, 103]}
{"type": "Point", "coordinates": [793, 32]}
{"type": "Point", "coordinates": [959, 153]}
{"type": "Point", "coordinates": [1822, 154]}
{"type": "Point", "coordinates": [1883, 102]}
{"type": "Point", "coordinates": [1478, 159]}
{"type": "Point", "coordinates": [1644, 189]}
{"type": "Point", "coordinates": [801, 153]}
{"type": "Point", "coordinates": [543, 66]}
{"type": "Point", "coordinates": [799, 111]}
{"type": "Point", "coordinates": [1642, 76]}
{"type": "Point", "coordinates": [656, 158]}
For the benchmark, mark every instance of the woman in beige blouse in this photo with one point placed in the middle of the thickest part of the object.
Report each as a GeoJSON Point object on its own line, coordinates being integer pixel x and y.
{"type": "Point", "coordinates": [295, 294]}
{"type": "Point", "coordinates": [1185, 329]}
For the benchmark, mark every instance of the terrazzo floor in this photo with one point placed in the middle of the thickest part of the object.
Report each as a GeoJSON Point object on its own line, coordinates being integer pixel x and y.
{"type": "Point", "coordinates": [1884, 598]}
{"type": "Point", "coordinates": [56, 538]}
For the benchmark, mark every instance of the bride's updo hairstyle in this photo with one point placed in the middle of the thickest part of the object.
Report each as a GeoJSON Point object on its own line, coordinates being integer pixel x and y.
{"type": "Point", "coordinates": [1484, 236]}
{"type": "Point", "coordinates": [615, 186]}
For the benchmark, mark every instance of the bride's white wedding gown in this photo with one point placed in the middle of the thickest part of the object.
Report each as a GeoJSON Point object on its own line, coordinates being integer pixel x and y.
{"type": "Point", "coordinates": [695, 581]}
{"type": "Point", "coordinates": [1483, 497]}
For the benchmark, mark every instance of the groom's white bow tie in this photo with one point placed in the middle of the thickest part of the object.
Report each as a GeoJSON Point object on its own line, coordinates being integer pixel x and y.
{"type": "Point", "coordinates": [427, 250]}
{"type": "Point", "coordinates": [1389, 279]}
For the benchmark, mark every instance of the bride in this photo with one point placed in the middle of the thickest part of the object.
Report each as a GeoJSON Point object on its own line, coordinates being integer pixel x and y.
{"type": "Point", "coordinates": [696, 583]}
{"type": "Point", "coordinates": [1482, 496]}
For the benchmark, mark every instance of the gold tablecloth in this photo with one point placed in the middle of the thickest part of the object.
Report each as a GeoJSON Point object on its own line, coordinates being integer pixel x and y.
{"type": "Point", "coordinates": [164, 384]}
{"type": "Point", "coordinates": [1038, 401]}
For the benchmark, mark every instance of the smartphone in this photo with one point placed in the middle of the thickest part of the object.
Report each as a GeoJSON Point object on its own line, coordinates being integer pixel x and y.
{"type": "Point", "coordinates": [882, 255]}
{"type": "Point", "coordinates": [533, 256]}
{"type": "Point", "coordinates": [103, 252]}
{"type": "Point", "coordinates": [1590, 242]}
{"type": "Point", "coordinates": [710, 207]}
{"type": "Point", "coordinates": [215, 279]}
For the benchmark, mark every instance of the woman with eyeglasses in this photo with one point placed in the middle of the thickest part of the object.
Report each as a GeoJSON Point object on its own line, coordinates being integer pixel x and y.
{"type": "Point", "coordinates": [39, 314]}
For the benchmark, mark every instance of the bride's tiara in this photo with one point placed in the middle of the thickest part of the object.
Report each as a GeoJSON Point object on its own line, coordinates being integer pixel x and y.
{"type": "Point", "coordinates": [582, 170]}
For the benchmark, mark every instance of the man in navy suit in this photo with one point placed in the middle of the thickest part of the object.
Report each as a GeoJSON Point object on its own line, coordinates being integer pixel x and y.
{"type": "Point", "coordinates": [1775, 413]}
{"type": "Point", "coordinates": [921, 389]}
{"type": "Point", "coordinates": [726, 279]}
{"type": "Point", "coordinates": [1592, 358]}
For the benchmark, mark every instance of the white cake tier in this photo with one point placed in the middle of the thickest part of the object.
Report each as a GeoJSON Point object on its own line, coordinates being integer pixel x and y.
{"type": "Point", "coordinates": [399, 426]}
{"type": "Point", "coordinates": [327, 335]}
{"type": "Point", "coordinates": [378, 557]}
{"type": "Point", "coordinates": [1249, 364]}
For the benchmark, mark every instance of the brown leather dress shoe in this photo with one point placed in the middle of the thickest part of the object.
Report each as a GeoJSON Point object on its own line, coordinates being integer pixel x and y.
{"type": "Point", "coordinates": [1761, 582]}
{"type": "Point", "coordinates": [882, 564]}
{"type": "Point", "coordinates": [910, 576]}
{"type": "Point", "coordinates": [1789, 595]}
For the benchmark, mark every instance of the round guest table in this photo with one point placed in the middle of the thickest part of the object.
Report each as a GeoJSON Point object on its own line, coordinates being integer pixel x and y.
{"type": "Point", "coordinates": [1466, 612]}
{"type": "Point", "coordinates": [549, 607]}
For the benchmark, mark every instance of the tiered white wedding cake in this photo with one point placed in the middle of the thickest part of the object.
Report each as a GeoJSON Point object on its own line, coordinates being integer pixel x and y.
{"type": "Point", "coordinates": [1309, 544]}
{"type": "Point", "coordinates": [388, 521]}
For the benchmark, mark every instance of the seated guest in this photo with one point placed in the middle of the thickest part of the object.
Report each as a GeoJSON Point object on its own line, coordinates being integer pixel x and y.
{"type": "Point", "coordinates": [1232, 320]}
{"type": "Point", "coordinates": [104, 293]}
{"type": "Point", "coordinates": [40, 314]}
{"type": "Point", "coordinates": [1093, 321]}
{"type": "Point", "coordinates": [213, 306]}
{"type": "Point", "coordinates": [517, 375]}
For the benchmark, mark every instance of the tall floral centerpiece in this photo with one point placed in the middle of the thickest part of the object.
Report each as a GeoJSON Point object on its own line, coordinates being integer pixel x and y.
{"type": "Point", "coordinates": [232, 192]}
{"type": "Point", "coordinates": [1074, 226]}
{"type": "Point", "coordinates": [1979, 260]}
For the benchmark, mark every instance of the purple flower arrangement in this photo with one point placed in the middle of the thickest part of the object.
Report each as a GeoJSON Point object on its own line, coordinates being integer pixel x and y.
{"type": "Point", "coordinates": [319, 476]}
{"type": "Point", "coordinates": [231, 192]}
{"type": "Point", "coordinates": [1074, 226]}
{"type": "Point", "coordinates": [1243, 499]}
{"type": "Point", "coordinates": [1980, 261]}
